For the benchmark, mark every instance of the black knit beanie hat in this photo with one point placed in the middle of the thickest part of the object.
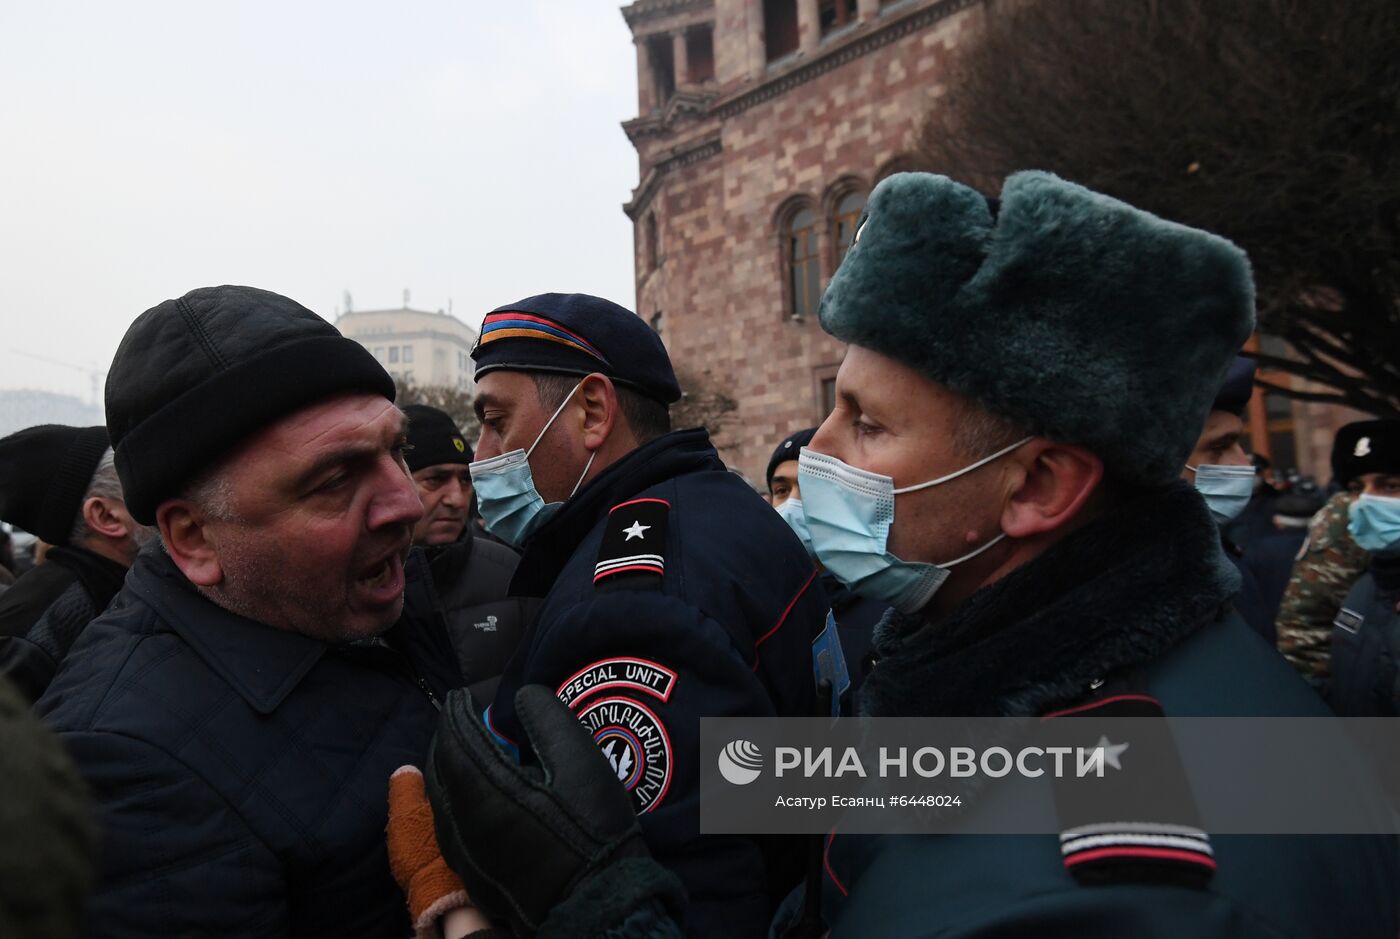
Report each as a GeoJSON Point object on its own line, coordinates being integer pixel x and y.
{"type": "Point", "coordinates": [433, 438]}
{"type": "Point", "coordinates": [196, 376]}
{"type": "Point", "coordinates": [44, 473]}
{"type": "Point", "coordinates": [788, 450]}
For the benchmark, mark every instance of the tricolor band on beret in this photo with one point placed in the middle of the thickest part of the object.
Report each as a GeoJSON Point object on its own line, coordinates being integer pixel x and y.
{"type": "Point", "coordinates": [576, 334]}
{"type": "Point", "coordinates": [516, 325]}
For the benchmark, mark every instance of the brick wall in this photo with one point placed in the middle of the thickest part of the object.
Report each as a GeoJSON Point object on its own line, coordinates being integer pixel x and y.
{"type": "Point", "coordinates": [843, 112]}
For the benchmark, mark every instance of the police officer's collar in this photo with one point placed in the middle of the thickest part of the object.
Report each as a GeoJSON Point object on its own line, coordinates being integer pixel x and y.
{"type": "Point", "coordinates": [1115, 594]}
{"type": "Point", "coordinates": [549, 549]}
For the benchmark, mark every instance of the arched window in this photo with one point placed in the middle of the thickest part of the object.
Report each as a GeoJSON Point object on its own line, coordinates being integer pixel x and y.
{"type": "Point", "coordinates": [804, 265]}
{"type": "Point", "coordinates": [844, 217]}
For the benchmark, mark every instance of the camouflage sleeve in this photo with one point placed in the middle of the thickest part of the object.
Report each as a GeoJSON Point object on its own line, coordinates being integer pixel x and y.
{"type": "Point", "coordinates": [1326, 567]}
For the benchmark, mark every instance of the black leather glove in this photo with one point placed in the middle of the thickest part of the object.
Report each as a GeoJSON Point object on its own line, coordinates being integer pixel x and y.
{"type": "Point", "coordinates": [524, 838]}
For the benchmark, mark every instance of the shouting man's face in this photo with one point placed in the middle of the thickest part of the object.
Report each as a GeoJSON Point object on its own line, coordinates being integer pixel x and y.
{"type": "Point", "coordinates": [318, 521]}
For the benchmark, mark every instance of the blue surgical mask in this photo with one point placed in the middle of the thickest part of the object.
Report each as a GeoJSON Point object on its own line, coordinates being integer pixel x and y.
{"type": "Point", "coordinates": [1226, 489]}
{"type": "Point", "coordinates": [849, 513]}
{"type": "Point", "coordinates": [505, 489]}
{"type": "Point", "coordinates": [1375, 522]}
{"type": "Point", "coordinates": [792, 512]}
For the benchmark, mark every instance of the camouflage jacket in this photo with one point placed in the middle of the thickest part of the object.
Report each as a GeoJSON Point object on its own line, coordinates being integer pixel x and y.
{"type": "Point", "coordinates": [1326, 567]}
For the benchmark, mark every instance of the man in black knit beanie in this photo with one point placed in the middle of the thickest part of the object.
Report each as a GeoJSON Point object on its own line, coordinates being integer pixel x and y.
{"type": "Point", "coordinates": [240, 704]}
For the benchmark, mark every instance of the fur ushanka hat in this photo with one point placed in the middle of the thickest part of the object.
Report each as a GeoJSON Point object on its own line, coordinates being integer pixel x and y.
{"type": "Point", "coordinates": [1067, 312]}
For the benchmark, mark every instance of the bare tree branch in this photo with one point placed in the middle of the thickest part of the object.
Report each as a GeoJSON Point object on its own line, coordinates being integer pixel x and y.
{"type": "Point", "coordinates": [455, 402]}
{"type": "Point", "coordinates": [1273, 122]}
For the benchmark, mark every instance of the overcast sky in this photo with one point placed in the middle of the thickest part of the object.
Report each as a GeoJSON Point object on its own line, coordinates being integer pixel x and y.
{"type": "Point", "coordinates": [463, 150]}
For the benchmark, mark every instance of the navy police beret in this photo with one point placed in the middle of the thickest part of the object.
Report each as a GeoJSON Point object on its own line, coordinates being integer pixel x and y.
{"type": "Point", "coordinates": [1366, 447]}
{"type": "Point", "coordinates": [576, 334]}
{"type": "Point", "coordinates": [1237, 388]}
{"type": "Point", "coordinates": [788, 450]}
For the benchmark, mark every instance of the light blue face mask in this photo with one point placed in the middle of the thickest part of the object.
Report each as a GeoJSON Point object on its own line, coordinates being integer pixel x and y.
{"type": "Point", "coordinates": [849, 513]}
{"type": "Point", "coordinates": [1226, 489]}
{"type": "Point", "coordinates": [1375, 522]}
{"type": "Point", "coordinates": [792, 512]}
{"type": "Point", "coordinates": [505, 490]}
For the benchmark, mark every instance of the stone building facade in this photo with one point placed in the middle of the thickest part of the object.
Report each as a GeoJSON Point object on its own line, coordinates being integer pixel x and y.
{"type": "Point", "coordinates": [763, 125]}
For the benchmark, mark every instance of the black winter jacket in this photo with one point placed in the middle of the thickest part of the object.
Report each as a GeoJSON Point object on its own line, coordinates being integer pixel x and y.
{"type": "Point", "coordinates": [241, 772]}
{"type": "Point", "coordinates": [34, 592]}
{"type": "Point", "coordinates": [30, 658]}
{"type": "Point", "coordinates": [472, 577]}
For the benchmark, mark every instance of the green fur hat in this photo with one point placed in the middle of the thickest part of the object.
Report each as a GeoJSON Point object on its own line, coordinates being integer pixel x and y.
{"type": "Point", "coordinates": [1067, 312]}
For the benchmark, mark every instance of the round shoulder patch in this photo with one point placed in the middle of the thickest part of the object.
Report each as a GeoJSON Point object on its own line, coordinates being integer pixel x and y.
{"type": "Point", "coordinates": [636, 744]}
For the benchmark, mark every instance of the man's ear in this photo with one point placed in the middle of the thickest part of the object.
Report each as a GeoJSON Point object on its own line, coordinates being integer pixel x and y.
{"type": "Point", "coordinates": [598, 398]}
{"type": "Point", "coordinates": [1051, 482]}
{"type": "Point", "coordinates": [186, 531]}
{"type": "Point", "coordinates": [103, 516]}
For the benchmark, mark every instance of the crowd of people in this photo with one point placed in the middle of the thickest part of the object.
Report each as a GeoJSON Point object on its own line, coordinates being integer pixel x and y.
{"type": "Point", "coordinates": [301, 662]}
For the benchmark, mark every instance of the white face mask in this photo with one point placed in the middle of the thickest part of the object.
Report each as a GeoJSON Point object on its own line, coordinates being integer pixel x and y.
{"type": "Point", "coordinates": [1375, 522]}
{"type": "Point", "coordinates": [791, 512]}
{"type": "Point", "coordinates": [849, 512]}
{"type": "Point", "coordinates": [1226, 488]}
{"type": "Point", "coordinates": [505, 490]}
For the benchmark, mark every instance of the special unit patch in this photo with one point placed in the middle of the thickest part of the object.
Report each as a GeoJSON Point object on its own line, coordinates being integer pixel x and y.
{"type": "Point", "coordinates": [632, 554]}
{"type": "Point", "coordinates": [637, 674]}
{"type": "Point", "coordinates": [637, 746]}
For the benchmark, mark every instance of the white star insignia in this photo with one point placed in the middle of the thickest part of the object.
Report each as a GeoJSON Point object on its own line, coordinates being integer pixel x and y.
{"type": "Point", "coordinates": [1111, 752]}
{"type": "Point", "coordinates": [636, 530]}
{"type": "Point", "coordinates": [1363, 447]}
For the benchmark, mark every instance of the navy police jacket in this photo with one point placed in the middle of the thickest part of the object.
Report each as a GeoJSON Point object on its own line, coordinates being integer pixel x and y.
{"type": "Point", "coordinates": [1366, 643]}
{"type": "Point", "coordinates": [672, 593]}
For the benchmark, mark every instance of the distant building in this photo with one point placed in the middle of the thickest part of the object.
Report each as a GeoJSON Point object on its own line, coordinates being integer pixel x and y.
{"type": "Point", "coordinates": [762, 127]}
{"type": "Point", "coordinates": [415, 345]}
{"type": "Point", "coordinates": [21, 408]}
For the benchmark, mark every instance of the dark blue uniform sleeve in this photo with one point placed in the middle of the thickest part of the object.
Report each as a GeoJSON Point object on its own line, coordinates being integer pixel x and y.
{"type": "Point", "coordinates": [640, 669]}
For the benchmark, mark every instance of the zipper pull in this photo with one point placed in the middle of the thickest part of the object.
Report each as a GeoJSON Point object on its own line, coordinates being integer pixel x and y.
{"type": "Point", "coordinates": [423, 687]}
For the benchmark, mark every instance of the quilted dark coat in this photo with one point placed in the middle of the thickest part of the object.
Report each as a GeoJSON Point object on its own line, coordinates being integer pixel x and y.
{"type": "Point", "coordinates": [241, 772]}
